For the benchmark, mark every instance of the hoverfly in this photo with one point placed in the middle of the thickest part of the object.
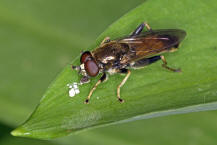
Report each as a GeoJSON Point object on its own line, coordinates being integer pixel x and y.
{"type": "Point", "coordinates": [137, 50]}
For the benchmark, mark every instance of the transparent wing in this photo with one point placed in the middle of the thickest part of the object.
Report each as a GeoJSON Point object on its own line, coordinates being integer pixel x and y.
{"type": "Point", "coordinates": [152, 43]}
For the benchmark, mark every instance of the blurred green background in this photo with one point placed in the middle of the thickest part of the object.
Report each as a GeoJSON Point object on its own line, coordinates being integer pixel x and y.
{"type": "Point", "coordinates": [38, 38]}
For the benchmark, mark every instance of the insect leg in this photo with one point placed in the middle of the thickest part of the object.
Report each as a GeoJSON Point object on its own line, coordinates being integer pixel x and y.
{"type": "Point", "coordinates": [147, 26]}
{"type": "Point", "coordinates": [165, 65]}
{"type": "Point", "coordinates": [77, 68]}
{"type": "Point", "coordinates": [103, 78]}
{"type": "Point", "coordinates": [140, 28]}
{"type": "Point", "coordinates": [105, 40]}
{"type": "Point", "coordinates": [122, 83]}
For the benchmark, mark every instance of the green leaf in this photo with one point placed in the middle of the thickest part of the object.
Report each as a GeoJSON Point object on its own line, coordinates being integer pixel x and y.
{"type": "Point", "coordinates": [37, 41]}
{"type": "Point", "coordinates": [149, 92]}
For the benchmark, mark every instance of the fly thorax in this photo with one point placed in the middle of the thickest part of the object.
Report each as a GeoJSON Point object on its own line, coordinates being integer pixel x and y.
{"type": "Point", "coordinates": [107, 59]}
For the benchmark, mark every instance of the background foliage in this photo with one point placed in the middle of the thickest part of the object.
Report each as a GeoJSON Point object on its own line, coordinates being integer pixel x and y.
{"type": "Point", "coordinates": [38, 38]}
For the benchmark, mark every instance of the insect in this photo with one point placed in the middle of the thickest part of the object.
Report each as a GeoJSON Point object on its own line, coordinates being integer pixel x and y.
{"type": "Point", "coordinates": [137, 50]}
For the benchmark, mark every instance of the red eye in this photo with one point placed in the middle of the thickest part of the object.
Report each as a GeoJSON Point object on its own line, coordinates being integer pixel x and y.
{"type": "Point", "coordinates": [91, 68]}
{"type": "Point", "coordinates": [85, 56]}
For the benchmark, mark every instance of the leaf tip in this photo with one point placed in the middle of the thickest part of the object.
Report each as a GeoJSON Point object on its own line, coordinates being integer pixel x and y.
{"type": "Point", "coordinates": [20, 131]}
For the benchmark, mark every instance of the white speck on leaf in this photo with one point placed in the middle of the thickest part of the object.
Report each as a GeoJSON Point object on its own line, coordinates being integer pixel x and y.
{"type": "Point", "coordinates": [73, 89]}
{"type": "Point", "coordinates": [72, 92]}
{"type": "Point", "coordinates": [77, 91]}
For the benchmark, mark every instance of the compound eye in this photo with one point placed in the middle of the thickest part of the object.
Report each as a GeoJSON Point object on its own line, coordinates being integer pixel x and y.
{"type": "Point", "coordinates": [91, 68]}
{"type": "Point", "coordinates": [85, 56]}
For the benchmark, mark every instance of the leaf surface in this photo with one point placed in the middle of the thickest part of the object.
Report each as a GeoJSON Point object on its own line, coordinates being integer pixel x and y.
{"type": "Point", "coordinates": [149, 92]}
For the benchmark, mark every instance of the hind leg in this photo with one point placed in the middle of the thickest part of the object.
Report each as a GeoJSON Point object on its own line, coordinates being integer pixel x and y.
{"type": "Point", "coordinates": [140, 28]}
{"type": "Point", "coordinates": [167, 67]}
